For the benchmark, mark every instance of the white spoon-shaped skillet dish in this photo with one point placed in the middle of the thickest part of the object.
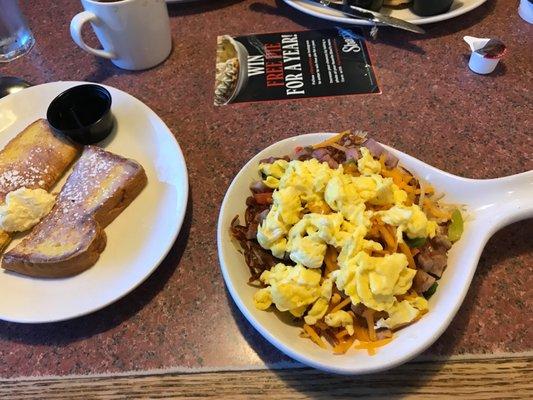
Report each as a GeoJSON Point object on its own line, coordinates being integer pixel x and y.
{"type": "Point", "coordinates": [490, 204]}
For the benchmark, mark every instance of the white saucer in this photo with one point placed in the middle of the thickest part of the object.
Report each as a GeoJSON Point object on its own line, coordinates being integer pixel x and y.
{"type": "Point", "coordinates": [138, 239]}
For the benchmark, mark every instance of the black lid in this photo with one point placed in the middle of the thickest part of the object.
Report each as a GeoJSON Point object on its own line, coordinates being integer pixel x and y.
{"type": "Point", "coordinates": [83, 113]}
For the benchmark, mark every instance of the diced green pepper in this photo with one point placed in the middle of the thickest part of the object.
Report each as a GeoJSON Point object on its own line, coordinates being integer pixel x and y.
{"type": "Point", "coordinates": [416, 242]}
{"type": "Point", "coordinates": [431, 291]}
{"type": "Point", "coordinates": [350, 163]}
{"type": "Point", "coordinates": [350, 167]}
{"type": "Point", "coordinates": [455, 230]}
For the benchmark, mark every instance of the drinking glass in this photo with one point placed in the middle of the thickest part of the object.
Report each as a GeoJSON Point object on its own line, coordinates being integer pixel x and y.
{"type": "Point", "coordinates": [16, 38]}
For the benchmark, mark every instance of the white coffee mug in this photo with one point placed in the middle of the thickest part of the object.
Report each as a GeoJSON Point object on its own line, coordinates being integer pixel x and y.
{"type": "Point", "coordinates": [135, 34]}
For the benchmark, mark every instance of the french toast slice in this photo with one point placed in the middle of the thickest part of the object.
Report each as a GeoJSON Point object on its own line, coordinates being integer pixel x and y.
{"type": "Point", "coordinates": [36, 158]}
{"type": "Point", "coordinates": [71, 237]}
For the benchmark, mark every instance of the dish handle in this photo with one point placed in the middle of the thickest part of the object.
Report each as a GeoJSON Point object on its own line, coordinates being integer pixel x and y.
{"type": "Point", "coordinates": [502, 201]}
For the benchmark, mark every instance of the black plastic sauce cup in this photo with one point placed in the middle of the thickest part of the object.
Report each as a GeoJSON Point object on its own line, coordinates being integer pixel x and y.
{"type": "Point", "coordinates": [430, 7]}
{"type": "Point", "coordinates": [83, 113]}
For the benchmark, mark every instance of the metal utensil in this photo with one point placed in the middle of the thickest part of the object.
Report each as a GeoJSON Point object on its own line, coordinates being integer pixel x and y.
{"type": "Point", "coordinates": [11, 84]}
{"type": "Point", "coordinates": [369, 15]}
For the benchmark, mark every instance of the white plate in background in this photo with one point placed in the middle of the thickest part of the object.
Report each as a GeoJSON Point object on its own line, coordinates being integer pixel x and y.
{"type": "Point", "coordinates": [458, 8]}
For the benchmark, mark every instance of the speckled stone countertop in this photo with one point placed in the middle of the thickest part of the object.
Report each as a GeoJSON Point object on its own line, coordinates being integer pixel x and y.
{"type": "Point", "coordinates": [432, 106]}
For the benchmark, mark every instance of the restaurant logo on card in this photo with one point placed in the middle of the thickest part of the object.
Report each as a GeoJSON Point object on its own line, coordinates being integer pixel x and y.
{"type": "Point", "coordinates": [351, 40]}
{"type": "Point", "coordinates": [292, 65]}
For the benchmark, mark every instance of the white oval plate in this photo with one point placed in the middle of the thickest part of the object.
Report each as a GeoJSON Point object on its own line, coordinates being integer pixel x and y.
{"type": "Point", "coordinates": [490, 203]}
{"type": "Point", "coordinates": [457, 8]}
{"type": "Point", "coordinates": [137, 240]}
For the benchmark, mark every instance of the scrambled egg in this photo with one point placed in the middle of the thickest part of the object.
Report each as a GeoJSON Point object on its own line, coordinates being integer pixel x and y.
{"type": "Point", "coordinates": [366, 164]}
{"type": "Point", "coordinates": [262, 299]}
{"type": "Point", "coordinates": [338, 319]}
{"type": "Point", "coordinates": [410, 220]}
{"type": "Point", "coordinates": [342, 195]}
{"type": "Point", "coordinates": [347, 194]}
{"type": "Point", "coordinates": [273, 172]}
{"type": "Point", "coordinates": [309, 178]}
{"type": "Point", "coordinates": [355, 244]}
{"type": "Point", "coordinates": [320, 307]}
{"type": "Point", "coordinates": [403, 312]}
{"type": "Point", "coordinates": [302, 183]}
{"type": "Point", "coordinates": [290, 288]}
{"type": "Point", "coordinates": [374, 281]}
{"type": "Point", "coordinates": [315, 206]}
{"type": "Point", "coordinates": [284, 213]}
{"type": "Point", "coordinates": [24, 208]}
{"type": "Point", "coordinates": [309, 238]}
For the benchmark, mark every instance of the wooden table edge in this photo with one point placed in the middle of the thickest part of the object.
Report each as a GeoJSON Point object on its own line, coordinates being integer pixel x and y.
{"type": "Point", "coordinates": [474, 377]}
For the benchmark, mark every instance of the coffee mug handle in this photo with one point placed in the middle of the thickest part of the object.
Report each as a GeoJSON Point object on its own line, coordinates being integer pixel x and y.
{"type": "Point", "coordinates": [75, 31]}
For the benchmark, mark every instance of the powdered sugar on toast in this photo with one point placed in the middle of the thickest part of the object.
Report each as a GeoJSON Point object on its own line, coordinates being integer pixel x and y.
{"type": "Point", "coordinates": [71, 238]}
{"type": "Point", "coordinates": [35, 158]}
{"type": "Point", "coordinates": [29, 172]}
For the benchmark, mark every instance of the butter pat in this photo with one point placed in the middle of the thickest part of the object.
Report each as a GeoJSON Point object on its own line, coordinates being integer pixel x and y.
{"type": "Point", "coordinates": [24, 208]}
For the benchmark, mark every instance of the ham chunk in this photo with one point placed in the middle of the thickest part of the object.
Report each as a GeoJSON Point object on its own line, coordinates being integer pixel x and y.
{"type": "Point", "coordinates": [422, 281]}
{"type": "Point", "coordinates": [441, 242]}
{"type": "Point", "coordinates": [433, 263]}
{"type": "Point", "coordinates": [377, 150]}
